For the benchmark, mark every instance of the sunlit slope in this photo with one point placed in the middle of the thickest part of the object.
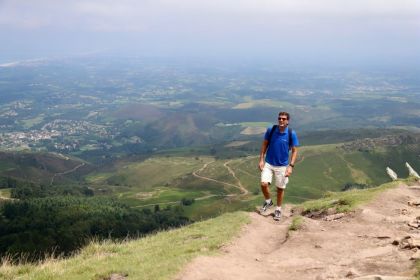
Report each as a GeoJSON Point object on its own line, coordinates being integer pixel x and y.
{"type": "Point", "coordinates": [324, 168]}
{"type": "Point", "coordinates": [148, 258]}
{"type": "Point", "coordinates": [152, 181]}
{"type": "Point", "coordinates": [220, 185]}
{"type": "Point", "coordinates": [158, 256]}
{"type": "Point", "coordinates": [42, 168]}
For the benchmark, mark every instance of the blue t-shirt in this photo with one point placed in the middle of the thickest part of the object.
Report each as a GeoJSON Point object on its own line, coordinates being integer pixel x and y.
{"type": "Point", "coordinates": [278, 149]}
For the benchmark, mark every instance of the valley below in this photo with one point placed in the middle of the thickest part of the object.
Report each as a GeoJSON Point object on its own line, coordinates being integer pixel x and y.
{"type": "Point", "coordinates": [122, 147]}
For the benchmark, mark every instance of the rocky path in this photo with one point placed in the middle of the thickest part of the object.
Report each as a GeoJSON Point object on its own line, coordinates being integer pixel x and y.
{"type": "Point", "coordinates": [377, 241]}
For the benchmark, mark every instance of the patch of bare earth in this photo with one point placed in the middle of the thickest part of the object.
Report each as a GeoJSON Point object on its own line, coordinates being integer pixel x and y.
{"type": "Point", "coordinates": [370, 243]}
{"type": "Point", "coordinates": [236, 144]}
{"type": "Point", "coordinates": [253, 130]}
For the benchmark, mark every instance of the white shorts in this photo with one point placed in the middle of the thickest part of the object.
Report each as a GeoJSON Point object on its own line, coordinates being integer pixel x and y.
{"type": "Point", "coordinates": [278, 171]}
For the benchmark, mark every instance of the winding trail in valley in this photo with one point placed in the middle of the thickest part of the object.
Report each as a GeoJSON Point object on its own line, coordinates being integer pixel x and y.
{"type": "Point", "coordinates": [238, 184]}
{"type": "Point", "coordinates": [66, 172]}
{"type": "Point", "coordinates": [196, 174]}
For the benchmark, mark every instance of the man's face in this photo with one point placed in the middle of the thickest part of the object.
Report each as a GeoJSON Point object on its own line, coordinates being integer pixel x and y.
{"type": "Point", "coordinates": [283, 121]}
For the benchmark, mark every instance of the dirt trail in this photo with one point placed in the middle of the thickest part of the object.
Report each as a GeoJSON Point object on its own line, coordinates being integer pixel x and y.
{"type": "Point", "coordinates": [231, 172]}
{"type": "Point", "coordinates": [66, 172]}
{"type": "Point", "coordinates": [352, 247]}
{"type": "Point", "coordinates": [239, 186]}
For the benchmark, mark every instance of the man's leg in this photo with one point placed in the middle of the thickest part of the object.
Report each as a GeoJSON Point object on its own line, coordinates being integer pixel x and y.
{"type": "Point", "coordinates": [280, 195]}
{"type": "Point", "coordinates": [277, 212]}
{"type": "Point", "coordinates": [266, 177]}
{"type": "Point", "coordinates": [265, 190]}
{"type": "Point", "coordinates": [281, 182]}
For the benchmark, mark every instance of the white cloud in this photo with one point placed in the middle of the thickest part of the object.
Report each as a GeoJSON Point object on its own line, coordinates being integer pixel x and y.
{"type": "Point", "coordinates": [249, 26]}
{"type": "Point", "coordinates": [131, 15]}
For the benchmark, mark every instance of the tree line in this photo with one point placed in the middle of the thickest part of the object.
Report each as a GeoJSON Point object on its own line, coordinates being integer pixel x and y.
{"type": "Point", "coordinates": [53, 220]}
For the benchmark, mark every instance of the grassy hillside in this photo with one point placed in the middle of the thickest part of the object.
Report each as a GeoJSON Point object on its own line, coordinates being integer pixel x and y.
{"type": "Point", "coordinates": [158, 256]}
{"type": "Point", "coordinates": [145, 175]}
{"type": "Point", "coordinates": [213, 182]}
{"type": "Point", "coordinates": [42, 167]}
{"type": "Point", "coordinates": [345, 201]}
{"type": "Point", "coordinates": [163, 255]}
{"type": "Point", "coordinates": [4, 193]}
{"type": "Point", "coordinates": [213, 176]}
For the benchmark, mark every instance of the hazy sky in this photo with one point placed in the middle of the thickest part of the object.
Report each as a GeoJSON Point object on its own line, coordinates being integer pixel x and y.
{"type": "Point", "coordinates": [294, 29]}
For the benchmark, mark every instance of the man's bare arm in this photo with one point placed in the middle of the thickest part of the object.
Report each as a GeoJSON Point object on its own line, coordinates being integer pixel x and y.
{"type": "Point", "coordinates": [294, 155]}
{"type": "Point", "coordinates": [289, 169]}
{"type": "Point", "coordinates": [262, 153]}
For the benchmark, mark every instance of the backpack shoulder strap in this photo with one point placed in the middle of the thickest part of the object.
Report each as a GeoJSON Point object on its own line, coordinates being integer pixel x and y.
{"type": "Point", "coordinates": [271, 134]}
{"type": "Point", "coordinates": [290, 138]}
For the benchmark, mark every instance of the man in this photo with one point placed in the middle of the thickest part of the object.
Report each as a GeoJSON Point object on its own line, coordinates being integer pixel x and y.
{"type": "Point", "coordinates": [277, 144]}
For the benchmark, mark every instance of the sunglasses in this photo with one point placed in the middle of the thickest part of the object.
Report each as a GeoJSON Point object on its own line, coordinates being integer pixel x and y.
{"type": "Point", "coordinates": [283, 119]}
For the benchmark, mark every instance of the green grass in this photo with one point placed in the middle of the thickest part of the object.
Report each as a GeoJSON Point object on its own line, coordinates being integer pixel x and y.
{"type": "Point", "coordinates": [246, 170]}
{"type": "Point", "coordinates": [192, 183]}
{"type": "Point", "coordinates": [6, 166]}
{"type": "Point", "coordinates": [28, 123]}
{"type": "Point", "coordinates": [344, 201]}
{"type": "Point", "coordinates": [143, 176]}
{"type": "Point", "coordinates": [256, 124]}
{"type": "Point", "coordinates": [322, 172]}
{"type": "Point", "coordinates": [138, 184]}
{"type": "Point", "coordinates": [159, 256]}
{"type": "Point", "coordinates": [319, 169]}
{"type": "Point", "coordinates": [160, 195]}
{"type": "Point", "coordinates": [97, 177]}
{"type": "Point", "coordinates": [217, 205]}
{"type": "Point", "coordinates": [296, 224]}
{"type": "Point", "coordinates": [216, 170]}
{"type": "Point", "coordinates": [418, 270]}
{"type": "Point", "coordinates": [371, 162]}
{"type": "Point", "coordinates": [324, 168]}
{"type": "Point", "coordinates": [264, 103]}
{"type": "Point", "coordinates": [5, 193]}
{"type": "Point", "coordinates": [203, 209]}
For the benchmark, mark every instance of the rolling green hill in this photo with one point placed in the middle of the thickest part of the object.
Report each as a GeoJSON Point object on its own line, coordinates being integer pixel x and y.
{"type": "Point", "coordinates": [216, 179]}
{"type": "Point", "coordinates": [147, 257]}
{"type": "Point", "coordinates": [166, 180]}
{"type": "Point", "coordinates": [138, 259]}
{"type": "Point", "coordinates": [42, 168]}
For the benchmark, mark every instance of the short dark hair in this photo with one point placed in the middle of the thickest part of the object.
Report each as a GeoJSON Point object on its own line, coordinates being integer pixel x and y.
{"type": "Point", "coordinates": [285, 114]}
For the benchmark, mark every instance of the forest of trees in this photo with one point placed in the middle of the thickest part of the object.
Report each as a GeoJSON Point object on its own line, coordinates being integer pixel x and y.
{"type": "Point", "coordinates": [59, 220]}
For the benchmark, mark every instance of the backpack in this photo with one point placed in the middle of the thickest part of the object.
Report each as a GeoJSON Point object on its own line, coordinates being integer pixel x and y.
{"type": "Point", "coordinates": [271, 135]}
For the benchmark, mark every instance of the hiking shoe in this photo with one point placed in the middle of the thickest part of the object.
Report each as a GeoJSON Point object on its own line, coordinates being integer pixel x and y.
{"type": "Point", "coordinates": [266, 206]}
{"type": "Point", "coordinates": [277, 215]}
